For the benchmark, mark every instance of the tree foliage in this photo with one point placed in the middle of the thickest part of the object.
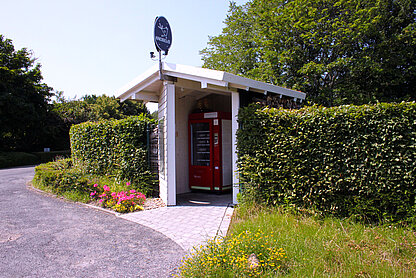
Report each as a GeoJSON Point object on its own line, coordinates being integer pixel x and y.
{"type": "Point", "coordinates": [30, 120]}
{"type": "Point", "coordinates": [23, 99]}
{"type": "Point", "coordinates": [96, 108]}
{"type": "Point", "coordinates": [337, 51]}
{"type": "Point", "coordinates": [90, 108]}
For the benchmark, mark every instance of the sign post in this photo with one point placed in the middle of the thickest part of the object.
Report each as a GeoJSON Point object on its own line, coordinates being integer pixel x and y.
{"type": "Point", "coordinates": [163, 40]}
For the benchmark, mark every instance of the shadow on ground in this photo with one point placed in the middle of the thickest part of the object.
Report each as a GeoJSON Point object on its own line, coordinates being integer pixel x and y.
{"type": "Point", "coordinates": [204, 199]}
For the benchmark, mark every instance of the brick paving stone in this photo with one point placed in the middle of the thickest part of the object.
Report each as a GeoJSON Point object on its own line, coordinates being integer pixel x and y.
{"type": "Point", "coordinates": [197, 218]}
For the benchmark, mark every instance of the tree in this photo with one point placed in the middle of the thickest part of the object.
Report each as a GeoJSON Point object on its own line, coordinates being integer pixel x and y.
{"type": "Point", "coordinates": [23, 99]}
{"type": "Point", "coordinates": [95, 108]}
{"type": "Point", "coordinates": [29, 120]}
{"type": "Point", "coordinates": [336, 51]}
{"type": "Point", "coordinates": [89, 108]}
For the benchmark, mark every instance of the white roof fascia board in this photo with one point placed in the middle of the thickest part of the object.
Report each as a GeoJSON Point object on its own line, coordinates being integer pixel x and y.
{"type": "Point", "coordinates": [221, 88]}
{"type": "Point", "coordinates": [141, 86]}
{"type": "Point", "coordinates": [206, 77]}
{"type": "Point", "coordinates": [231, 78]}
{"type": "Point", "coordinates": [124, 98]}
{"type": "Point", "coordinates": [221, 78]}
{"type": "Point", "coordinates": [200, 79]}
{"type": "Point", "coordinates": [126, 89]}
{"type": "Point", "coordinates": [195, 71]}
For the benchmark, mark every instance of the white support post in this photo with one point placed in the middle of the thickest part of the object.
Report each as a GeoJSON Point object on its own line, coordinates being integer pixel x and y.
{"type": "Point", "coordinates": [235, 105]}
{"type": "Point", "coordinates": [170, 134]}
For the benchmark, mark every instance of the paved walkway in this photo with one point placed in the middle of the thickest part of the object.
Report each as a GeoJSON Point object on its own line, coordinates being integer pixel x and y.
{"type": "Point", "coordinates": [197, 218]}
{"type": "Point", "coordinates": [43, 236]}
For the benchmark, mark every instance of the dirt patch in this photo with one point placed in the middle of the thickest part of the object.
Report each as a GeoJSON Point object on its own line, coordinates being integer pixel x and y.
{"type": "Point", "coordinates": [152, 203]}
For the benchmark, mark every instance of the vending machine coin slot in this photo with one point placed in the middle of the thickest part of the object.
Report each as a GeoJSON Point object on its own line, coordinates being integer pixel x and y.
{"type": "Point", "coordinates": [215, 138]}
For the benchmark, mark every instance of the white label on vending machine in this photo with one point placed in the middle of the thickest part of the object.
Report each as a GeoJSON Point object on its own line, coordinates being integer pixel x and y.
{"type": "Point", "coordinates": [215, 121]}
{"type": "Point", "coordinates": [210, 115]}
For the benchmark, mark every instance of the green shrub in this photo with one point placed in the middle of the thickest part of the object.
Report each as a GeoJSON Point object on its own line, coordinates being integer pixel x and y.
{"type": "Point", "coordinates": [59, 177]}
{"type": "Point", "coordinates": [114, 148]}
{"type": "Point", "coordinates": [347, 160]}
{"type": "Point", "coordinates": [11, 159]}
{"type": "Point", "coordinates": [62, 178]}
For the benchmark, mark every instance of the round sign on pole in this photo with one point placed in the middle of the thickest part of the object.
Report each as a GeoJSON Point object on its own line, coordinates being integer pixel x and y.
{"type": "Point", "coordinates": [162, 34]}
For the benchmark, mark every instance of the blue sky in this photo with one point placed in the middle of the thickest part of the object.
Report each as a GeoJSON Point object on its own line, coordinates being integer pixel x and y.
{"type": "Point", "coordinates": [96, 47]}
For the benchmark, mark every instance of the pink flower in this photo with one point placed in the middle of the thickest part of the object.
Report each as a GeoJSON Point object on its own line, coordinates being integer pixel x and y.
{"type": "Point", "coordinates": [95, 185]}
{"type": "Point", "coordinates": [113, 194]}
{"type": "Point", "coordinates": [101, 200]}
{"type": "Point", "coordinates": [132, 191]}
{"type": "Point", "coordinates": [128, 183]}
{"type": "Point", "coordinates": [93, 193]}
{"type": "Point", "coordinates": [106, 188]}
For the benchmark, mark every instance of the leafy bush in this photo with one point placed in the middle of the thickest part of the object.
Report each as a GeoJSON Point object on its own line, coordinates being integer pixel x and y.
{"type": "Point", "coordinates": [347, 160]}
{"type": "Point", "coordinates": [117, 148]}
{"type": "Point", "coordinates": [11, 159]}
{"type": "Point", "coordinates": [62, 178]}
{"type": "Point", "coordinates": [59, 177]}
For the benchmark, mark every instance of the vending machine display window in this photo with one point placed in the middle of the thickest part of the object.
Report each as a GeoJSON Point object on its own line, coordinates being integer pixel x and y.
{"type": "Point", "coordinates": [210, 151]}
{"type": "Point", "coordinates": [201, 143]}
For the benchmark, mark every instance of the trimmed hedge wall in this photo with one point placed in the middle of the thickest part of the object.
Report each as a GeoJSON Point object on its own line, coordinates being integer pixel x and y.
{"type": "Point", "coordinates": [12, 159]}
{"type": "Point", "coordinates": [347, 160]}
{"type": "Point", "coordinates": [113, 148]}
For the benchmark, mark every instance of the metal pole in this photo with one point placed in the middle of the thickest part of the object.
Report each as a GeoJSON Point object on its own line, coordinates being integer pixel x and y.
{"type": "Point", "coordinates": [160, 66]}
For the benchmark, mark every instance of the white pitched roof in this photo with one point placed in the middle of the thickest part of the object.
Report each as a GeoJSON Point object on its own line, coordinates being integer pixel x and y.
{"type": "Point", "coordinates": [149, 81]}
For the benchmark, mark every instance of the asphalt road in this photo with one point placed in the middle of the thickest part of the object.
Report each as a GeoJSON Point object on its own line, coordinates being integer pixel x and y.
{"type": "Point", "coordinates": [43, 236]}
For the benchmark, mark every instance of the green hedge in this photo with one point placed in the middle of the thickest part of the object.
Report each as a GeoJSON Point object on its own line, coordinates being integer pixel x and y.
{"type": "Point", "coordinates": [347, 160]}
{"type": "Point", "coordinates": [12, 159]}
{"type": "Point", "coordinates": [114, 148]}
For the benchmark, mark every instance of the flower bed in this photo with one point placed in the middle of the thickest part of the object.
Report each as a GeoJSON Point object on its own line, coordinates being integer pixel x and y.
{"type": "Point", "coordinates": [122, 201]}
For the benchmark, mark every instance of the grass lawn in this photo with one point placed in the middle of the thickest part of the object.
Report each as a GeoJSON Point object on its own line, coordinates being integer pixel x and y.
{"type": "Point", "coordinates": [308, 247]}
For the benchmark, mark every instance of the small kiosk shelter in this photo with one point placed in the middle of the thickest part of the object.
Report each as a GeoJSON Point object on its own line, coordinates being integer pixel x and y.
{"type": "Point", "coordinates": [186, 90]}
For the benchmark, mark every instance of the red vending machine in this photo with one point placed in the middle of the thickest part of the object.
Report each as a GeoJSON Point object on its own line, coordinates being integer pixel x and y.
{"type": "Point", "coordinates": [210, 162]}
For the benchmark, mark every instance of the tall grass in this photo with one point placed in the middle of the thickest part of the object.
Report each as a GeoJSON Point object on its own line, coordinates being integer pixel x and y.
{"type": "Point", "coordinates": [317, 247]}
